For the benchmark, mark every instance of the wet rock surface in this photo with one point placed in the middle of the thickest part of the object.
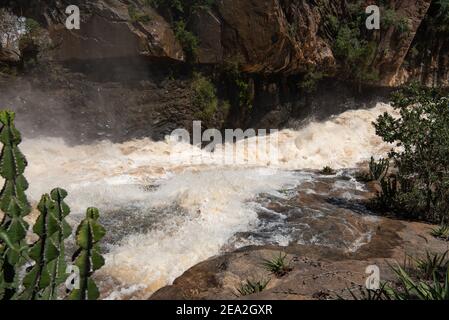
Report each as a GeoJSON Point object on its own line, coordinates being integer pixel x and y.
{"type": "Point", "coordinates": [317, 272]}
{"type": "Point", "coordinates": [326, 258]}
{"type": "Point", "coordinates": [116, 101]}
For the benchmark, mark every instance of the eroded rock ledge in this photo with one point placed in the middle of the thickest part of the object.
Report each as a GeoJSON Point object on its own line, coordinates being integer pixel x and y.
{"type": "Point", "coordinates": [272, 36]}
{"type": "Point", "coordinates": [318, 272]}
{"type": "Point", "coordinates": [326, 259]}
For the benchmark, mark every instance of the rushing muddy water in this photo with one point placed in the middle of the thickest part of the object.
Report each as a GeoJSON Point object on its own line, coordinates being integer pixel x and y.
{"type": "Point", "coordinates": [164, 216]}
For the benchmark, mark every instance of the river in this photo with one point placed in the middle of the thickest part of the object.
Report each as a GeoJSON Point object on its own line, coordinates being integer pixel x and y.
{"type": "Point", "coordinates": [164, 216]}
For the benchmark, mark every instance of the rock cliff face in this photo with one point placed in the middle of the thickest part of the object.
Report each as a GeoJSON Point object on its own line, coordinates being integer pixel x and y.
{"type": "Point", "coordinates": [428, 59]}
{"type": "Point", "coordinates": [261, 32]}
{"type": "Point", "coordinates": [107, 31]}
{"type": "Point", "coordinates": [270, 36]}
{"type": "Point", "coordinates": [394, 46]}
{"type": "Point", "coordinates": [277, 44]}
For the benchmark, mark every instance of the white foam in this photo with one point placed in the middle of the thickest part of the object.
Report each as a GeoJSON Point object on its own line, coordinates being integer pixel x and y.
{"type": "Point", "coordinates": [111, 177]}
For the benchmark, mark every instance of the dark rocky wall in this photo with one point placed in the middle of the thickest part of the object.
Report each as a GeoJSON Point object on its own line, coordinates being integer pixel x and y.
{"type": "Point", "coordinates": [118, 79]}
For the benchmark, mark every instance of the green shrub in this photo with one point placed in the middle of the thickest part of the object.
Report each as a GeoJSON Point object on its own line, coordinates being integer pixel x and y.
{"type": "Point", "coordinates": [204, 97]}
{"type": "Point", "coordinates": [180, 14]}
{"type": "Point", "coordinates": [390, 18]}
{"type": "Point", "coordinates": [176, 5]}
{"type": "Point", "coordinates": [441, 232]}
{"type": "Point", "coordinates": [442, 17]}
{"type": "Point", "coordinates": [387, 197]}
{"type": "Point", "coordinates": [310, 80]}
{"type": "Point", "coordinates": [363, 176]}
{"type": "Point", "coordinates": [245, 95]}
{"type": "Point", "coordinates": [251, 287]}
{"type": "Point", "coordinates": [137, 16]}
{"type": "Point", "coordinates": [292, 30]}
{"type": "Point", "coordinates": [232, 70]}
{"type": "Point", "coordinates": [353, 46]}
{"type": "Point", "coordinates": [181, 9]}
{"type": "Point", "coordinates": [355, 54]}
{"type": "Point", "coordinates": [377, 171]}
{"type": "Point", "coordinates": [277, 265]}
{"type": "Point", "coordinates": [47, 272]}
{"type": "Point", "coordinates": [363, 293]}
{"type": "Point", "coordinates": [407, 287]}
{"type": "Point", "coordinates": [32, 26]}
{"type": "Point", "coordinates": [411, 289]}
{"type": "Point", "coordinates": [433, 264]}
{"type": "Point", "coordinates": [328, 171]}
{"type": "Point", "coordinates": [421, 157]}
{"type": "Point", "coordinates": [332, 23]}
{"type": "Point", "coordinates": [188, 40]}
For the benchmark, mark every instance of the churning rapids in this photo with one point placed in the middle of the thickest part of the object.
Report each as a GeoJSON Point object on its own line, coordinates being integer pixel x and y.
{"type": "Point", "coordinates": [163, 217]}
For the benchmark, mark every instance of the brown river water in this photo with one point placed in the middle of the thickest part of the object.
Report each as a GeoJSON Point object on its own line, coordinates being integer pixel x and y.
{"type": "Point", "coordinates": [164, 215]}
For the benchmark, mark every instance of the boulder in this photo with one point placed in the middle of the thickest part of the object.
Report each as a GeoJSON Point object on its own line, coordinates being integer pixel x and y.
{"type": "Point", "coordinates": [270, 43]}
{"type": "Point", "coordinates": [107, 31]}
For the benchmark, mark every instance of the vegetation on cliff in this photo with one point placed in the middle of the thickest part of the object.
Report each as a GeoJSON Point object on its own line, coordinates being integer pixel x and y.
{"type": "Point", "coordinates": [179, 14]}
{"type": "Point", "coordinates": [353, 47]}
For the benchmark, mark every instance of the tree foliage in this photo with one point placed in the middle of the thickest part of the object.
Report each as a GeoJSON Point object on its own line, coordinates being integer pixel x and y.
{"type": "Point", "coordinates": [420, 136]}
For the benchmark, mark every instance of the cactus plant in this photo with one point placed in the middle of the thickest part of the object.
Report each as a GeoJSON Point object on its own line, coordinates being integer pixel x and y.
{"type": "Point", "coordinates": [389, 192]}
{"type": "Point", "coordinates": [13, 203]}
{"type": "Point", "coordinates": [60, 211]}
{"type": "Point", "coordinates": [41, 252]}
{"type": "Point", "coordinates": [2, 273]}
{"type": "Point", "coordinates": [88, 258]}
{"type": "Point", "coordinates": [379, 170]}
{"type": "Point", "coordinates": [12, 165]}
{"type": "Point", "coordinates": [48, 272]}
